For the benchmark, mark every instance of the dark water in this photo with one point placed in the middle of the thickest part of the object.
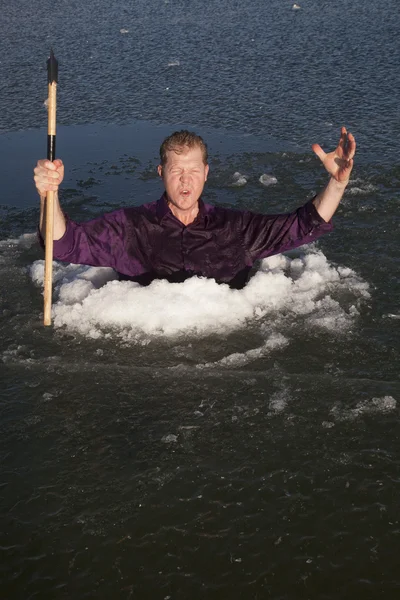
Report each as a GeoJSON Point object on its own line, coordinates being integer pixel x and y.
{"type": "Point", "coordinates": [257, 67]}
{"type": "Point", "coordinates": [208, 463]}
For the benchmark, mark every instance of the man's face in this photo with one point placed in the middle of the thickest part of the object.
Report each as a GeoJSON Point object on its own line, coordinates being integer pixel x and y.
{"type": "Point", "coordinates": [184, 176]}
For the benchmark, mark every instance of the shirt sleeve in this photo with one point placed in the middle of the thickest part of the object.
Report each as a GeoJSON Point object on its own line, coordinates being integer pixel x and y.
{"type": "Point", "coordinates": [264, 235]}
{"type": "Point", "coordinates": [97, 242]}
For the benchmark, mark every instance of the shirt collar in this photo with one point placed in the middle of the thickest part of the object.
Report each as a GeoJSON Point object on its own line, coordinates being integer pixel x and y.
{"type": "Point", "coordinates": [163, 209]}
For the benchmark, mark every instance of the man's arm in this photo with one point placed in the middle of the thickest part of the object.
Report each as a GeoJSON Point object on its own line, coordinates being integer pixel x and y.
{"type": "Point", "coordinates": [265, 235]}
{"type": "Point", "coordinates": [99, 242]}
{"type": "Point", "coordinates": [339, 165]}
{"type": "Point", "coordinates": [48, 176]}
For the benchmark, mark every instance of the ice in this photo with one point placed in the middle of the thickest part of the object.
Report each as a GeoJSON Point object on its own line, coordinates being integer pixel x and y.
{"type": "Point", "coordinates": [170, 438]}
{"type": "Point", "coordinates": [66, 274]}
{"type": "Point", "coordinates": [239, 359]}
{"type": "Point", "coordinates": [25, 241]}
{"type": "Point", "coordinates": [91, 300]}
{"type": "Point", "coordinates": [359, 187]}
{"type": "Point", "coordinates": [238, 180]}
{"type": "Point", "coordinates": [358, 191]}
{"type": "Point", "coordinates": [279, 401]}
{"type": "Point", "coordinates": [373, 406]}
{"type": "Point", "coordinates": [268, 179]}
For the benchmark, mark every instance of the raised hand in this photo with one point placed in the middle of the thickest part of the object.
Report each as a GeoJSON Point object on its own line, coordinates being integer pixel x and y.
{"type": "Point", "coordinates": [48, 175]}
{"type": "Point", "coordinates": [339, 163]}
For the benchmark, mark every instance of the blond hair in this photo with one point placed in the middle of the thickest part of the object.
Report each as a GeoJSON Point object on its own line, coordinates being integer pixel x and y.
{"type": "Point", "coordinates": [181, 140]}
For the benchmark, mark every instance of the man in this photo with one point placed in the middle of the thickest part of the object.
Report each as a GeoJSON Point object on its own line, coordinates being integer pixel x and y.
{"type": "Point", "coordinates": [179, 235]}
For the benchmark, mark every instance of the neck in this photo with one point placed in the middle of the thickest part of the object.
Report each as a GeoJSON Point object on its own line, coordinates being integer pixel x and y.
{"type": "Point", "coordinates": [184, 216]}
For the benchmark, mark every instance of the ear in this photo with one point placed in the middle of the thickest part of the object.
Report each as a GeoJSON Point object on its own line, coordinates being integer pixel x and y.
{"type": "Point", "coordinates": [159, 170]}
{"type": "Point", "coordinates": [207, 169]}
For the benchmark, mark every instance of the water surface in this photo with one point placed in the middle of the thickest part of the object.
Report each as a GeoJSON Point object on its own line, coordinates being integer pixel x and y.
{"type": "Point", "coordinates": [201, 442]}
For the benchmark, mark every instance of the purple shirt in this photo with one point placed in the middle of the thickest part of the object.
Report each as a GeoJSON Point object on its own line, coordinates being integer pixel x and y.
{"type": "Point", "coordinates": [148, 242]}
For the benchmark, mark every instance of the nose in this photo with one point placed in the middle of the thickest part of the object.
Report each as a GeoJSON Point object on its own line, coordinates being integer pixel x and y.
{"type": "Point", "coordinates": [184, 176]}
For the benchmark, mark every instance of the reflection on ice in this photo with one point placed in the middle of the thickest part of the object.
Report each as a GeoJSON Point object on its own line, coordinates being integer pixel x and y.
{"type": "Point", "coordinates": [93, 302]}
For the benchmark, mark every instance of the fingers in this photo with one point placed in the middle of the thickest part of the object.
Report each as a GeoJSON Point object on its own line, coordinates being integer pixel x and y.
{"type": "Point", "coordinates": [319, 152]}
{"type": "Point", "coordinates": [345, 150]}
{"type": "Point", "coordinates": [48, 175]}
{"type": "Point", "coordinates": [347, 144]}
{"type": "Point", "coordinates": [351, 146]}
{"type": "Point", "coordinates": [343, 139]}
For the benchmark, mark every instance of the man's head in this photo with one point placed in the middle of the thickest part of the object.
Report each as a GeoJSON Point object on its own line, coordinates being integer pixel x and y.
{"type": "Point", "coordinates": [180, 141]}
{"type": "Point", "coordinates": [184, 170]}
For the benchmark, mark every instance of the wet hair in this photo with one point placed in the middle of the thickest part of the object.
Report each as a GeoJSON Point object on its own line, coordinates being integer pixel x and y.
{"type": "Point", "coordinates": [179, 141]}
